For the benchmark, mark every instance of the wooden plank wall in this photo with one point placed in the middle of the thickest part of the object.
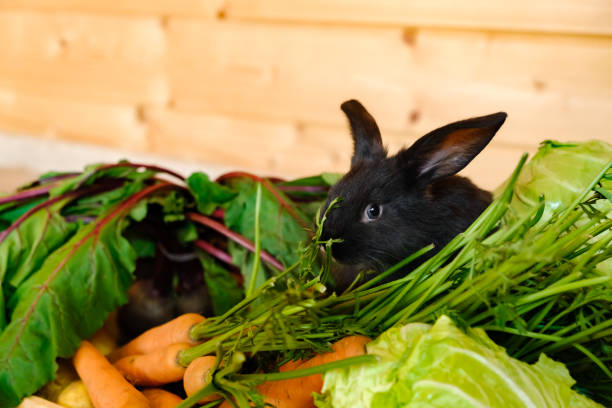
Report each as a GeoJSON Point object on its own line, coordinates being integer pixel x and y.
{"type": "Point", "coordinates": [256, 84]}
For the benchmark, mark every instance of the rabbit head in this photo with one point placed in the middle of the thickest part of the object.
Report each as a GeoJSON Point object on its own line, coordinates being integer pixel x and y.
{"type": "Point", "coordinates": [391, 206]}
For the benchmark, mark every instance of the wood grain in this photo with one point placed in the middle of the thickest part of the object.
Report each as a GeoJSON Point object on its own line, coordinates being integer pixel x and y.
{"type": "Point", "coordinates": [257, 84]}
{"type": "Point", "coordinates": [85, 58]}
{"type": "Point", "coordinates": [250, 144]}
{"type": "Point", "coordinates": [201, 8]}
{"type": "Point", "coordinates": [412, 82]}
{"type": "Point", "coordinates": [111, 125]}
{"type": "Point", "coordinates": [74, 36]}
{"type": "Point", "coordinates": [592, 17]}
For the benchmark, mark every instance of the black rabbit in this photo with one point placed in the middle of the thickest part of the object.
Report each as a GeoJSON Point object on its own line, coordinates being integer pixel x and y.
{"type": "Point", "coordinates": [391, 207]}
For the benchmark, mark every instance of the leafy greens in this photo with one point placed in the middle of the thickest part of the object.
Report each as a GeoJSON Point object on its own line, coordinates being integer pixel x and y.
{"type": "Point", "coordinates": [69, 246]}
{"type": "Point", "coordinates": [441, 366]}
{"type": "Point", "coordinates": [66, 300]}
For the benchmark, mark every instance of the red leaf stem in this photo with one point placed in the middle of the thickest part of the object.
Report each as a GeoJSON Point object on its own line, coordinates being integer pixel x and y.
{"type": "Point", "coordinates": [133, 165]}
{"type": "Point", "coordinates": [129, 202]}
{"type": "Point", "coordinates": [153, 167]}
{"type": "Point", "coordinates": [31, 211]}
{"type": "Point", "coordinates": [237, 238]}
{"type": "Point", "coordinates": [37, 189]}
{"type": "Point", "coordinates": [306, 189]}
{"type": "Point", "coordinates": [58, 177]}
{"type": "Point", "coordinates": [214, 251]}
{"type": "Point", "coordinates": [219, 213]}
{"type": "Point", "coordinates": [48, 203]}
{"type": "Point", "coordinates": [45, 204]}
{"type": "Point", "coordinates": [266, 183]}
{"type": "Point", "coordinates": [238, 174]}
{"type": "Point", "coordinates": [25, 194]}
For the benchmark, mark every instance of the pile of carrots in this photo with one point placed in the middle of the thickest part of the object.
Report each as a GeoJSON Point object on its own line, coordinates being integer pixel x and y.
{"type": "Point", "coordinates": [151, 360]}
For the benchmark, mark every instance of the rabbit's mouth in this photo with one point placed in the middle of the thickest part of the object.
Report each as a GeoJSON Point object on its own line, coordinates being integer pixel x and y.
{"type": "Point", "coordinates": [336, 250]}
{"type": "Point", "coordinates": [344, 253]}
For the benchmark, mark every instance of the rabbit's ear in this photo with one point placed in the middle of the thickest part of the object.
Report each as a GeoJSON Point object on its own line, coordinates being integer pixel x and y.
{"type": "Point", "coordinates": [445, 151]}
{"type": "Point", "coordinates": [366, 135]}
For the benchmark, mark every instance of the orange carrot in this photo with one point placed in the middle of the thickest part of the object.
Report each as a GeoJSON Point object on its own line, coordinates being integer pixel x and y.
{"type": "Point", "coordinates": [106, 386]}
{"type": "Point", "coordinates": [155, 368]}
{"type": "Point", "coordinates": [297, 392]}
{"type": "Point", "coordinates": [198, 375]}
{"type": "Point", "coordinates": [290, 365]}
{"type": "Point", "coordinates": [159, 398]}
{"type": "Point", "coordinates": [173, 332]}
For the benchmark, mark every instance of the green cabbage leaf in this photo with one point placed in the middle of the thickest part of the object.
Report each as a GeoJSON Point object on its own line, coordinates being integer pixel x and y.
{"type": "Point", "coordinates": [442, 366]}
{"type": "Point", "coordinates": [559, 172]}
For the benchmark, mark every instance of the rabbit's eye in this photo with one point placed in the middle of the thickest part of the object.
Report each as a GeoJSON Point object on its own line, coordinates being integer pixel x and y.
{"type": "Point", "coordinates": [372, 212]}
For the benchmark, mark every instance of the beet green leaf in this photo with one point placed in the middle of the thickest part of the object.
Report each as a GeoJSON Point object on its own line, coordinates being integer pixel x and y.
{"type": "Point", "coordinates": [224, 291]}
{"type": "Point", "coordinates": [208, 194]}
{"type": "Point", "coordinates": [65, 300]}
{"type": "Point", "coordinates": [280, 232]}
{"type": "Point", "coordinates": [23, 251]}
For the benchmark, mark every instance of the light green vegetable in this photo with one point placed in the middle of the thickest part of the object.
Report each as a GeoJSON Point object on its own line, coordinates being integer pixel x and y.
{"type": "Point", "coordinates": [559, 172]}
{"type": "Point", "coordinates": [442, 366]}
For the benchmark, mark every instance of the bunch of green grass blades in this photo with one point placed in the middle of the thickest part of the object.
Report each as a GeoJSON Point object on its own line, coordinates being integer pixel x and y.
{"type": "Point", "coordinates": [538, 282]}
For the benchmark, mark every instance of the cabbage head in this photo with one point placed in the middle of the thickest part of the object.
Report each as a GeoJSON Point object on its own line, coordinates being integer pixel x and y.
{"type": "Point", "coordinates": [442, 366]}
{"type": "Point", "coordinates": [559, 172]}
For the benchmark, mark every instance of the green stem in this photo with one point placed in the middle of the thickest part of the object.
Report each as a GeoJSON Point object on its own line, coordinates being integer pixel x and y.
{"type": "Point", "coordinates": [551, 291]}
{"type": "Point", "coordinates": [591, 333]}
{"type": "Point", "coordinates": [198, 395]}
{"type": "Point", "coordinates": [304, 372]}
{"type": "Point", "coordinates": [519, 342]}
{"type": "Point", "coordinates": [395, 268]}
{"type": "Point", "coordinates": [517, 332]}
{"type": "Point", "coordinates": [257, 254]}
{"type": "Point", "coordinates": [188, 355]}
{"type": "Point", "coordinates": [398, 287]}
{"type": "Point", "coordinates": [426, 283]}
{"type": "Point", "coordinates": [574, 306]}
{"type": "Point", "coordinates": [590, 187]}
{"type": "Point", "coordinates": [594, 359]}
{"type": "Point", "coordinates": [247, 300]}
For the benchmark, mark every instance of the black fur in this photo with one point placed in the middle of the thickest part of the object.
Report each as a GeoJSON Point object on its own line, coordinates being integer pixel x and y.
{"type": "Point", "coordinates": [367, 142]}
{"type": "Point", "coordinates": [422, 200]}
